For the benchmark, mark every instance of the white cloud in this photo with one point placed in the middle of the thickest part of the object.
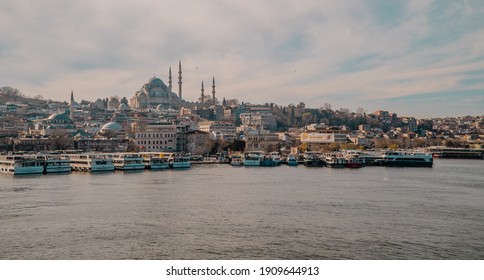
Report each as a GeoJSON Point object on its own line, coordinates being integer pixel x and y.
{"type": "Point", "coordinates": [258, 51]}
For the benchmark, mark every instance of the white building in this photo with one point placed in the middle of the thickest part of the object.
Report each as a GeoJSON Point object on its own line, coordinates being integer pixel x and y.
{"type": "Point", "coordinates": [323, 138]}
{"type": "Point", "coordinates": [262, 120]}
{"type": "Point", "coordinates": [157, 138]}
{"type": "Point", "coordinates": [261, 141]}
{"type": "Point", "coordinates": [225, 129]}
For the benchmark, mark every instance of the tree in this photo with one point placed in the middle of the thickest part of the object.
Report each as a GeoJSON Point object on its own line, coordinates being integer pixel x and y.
{"type": "Point", "coordinates": [307, 118]}
{"type": "Point", "coordinates": [10, 94]}
{"type": "Point", "coordinates": [360, 111]}
{"type": "Point", "coordinates": [232, 102]}
{"type": "Point", "coordinates": [124, 101]}
{"type": "Point", "coordinates": [61, 141]}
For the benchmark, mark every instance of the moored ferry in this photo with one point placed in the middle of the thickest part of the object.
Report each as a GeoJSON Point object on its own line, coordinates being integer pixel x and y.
{"type": "Point", "coordinates": [267, 160]}
{"type": "Point", "coordinates": [363, 158]}
{"type": "Point", "coordinates": [405, 159]}
{"type": "Point", "coordinates": [56, 163]}
{"type": "Point", "coordinates": [236, 160]}
{"type": "Point", "coordinates": [314, 159]}
{"type": "Point", "coordinates": [91, 162]}
{"type": "Point", "coordinates": [276, 157]}
{"type": "Point", "coordinates": [335, 160]}
{"type": "Point", "coordinates": [464, 153]}
{"type": "Point", "coordinates": [292, 160]}
{"type": "Point", "coordinates": [155, 161]}
{"type": "Point", "coordinates": [252, 158]}
{"type": "Point", "coordinates": [21, 164]}
{"type": "Point", "coordinates": [178, 161]}
{"type": "Point", "coordinates": [128, 161]}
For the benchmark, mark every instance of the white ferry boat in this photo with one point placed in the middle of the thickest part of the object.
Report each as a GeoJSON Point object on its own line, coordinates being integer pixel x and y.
{"type": "Point", "coordinates": [236, 160]}
{"type": "Point", "coordinates": [21, 164]}
{"type": "Point", "coordinates": [405, 159]}
{"type": "Point", "coordinates": [252, 158]}
{"type": "Point", "coordinates": [55, 163]}
{"type": "Point", "coordinates": [314, 159]}
{"type": "Point", "coordinates": [91, 162]}
{"type": "Point", "coordinates": [155, 161]}
{"type": "Point", "coordinates": [335, 160]}
{"type": "Point", "coordinates": [357, 158]}
{"type": "Point", "coordinates": [128, 161]}
{"type": "Point", "coordinates": [179, 161]}
{"type": "Point", "coordinates": [354, 161]}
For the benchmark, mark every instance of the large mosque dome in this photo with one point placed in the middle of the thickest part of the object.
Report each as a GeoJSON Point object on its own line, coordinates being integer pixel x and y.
{"type": "Point", "coordinates": [153, 94]}
{"type": "Point", "coordinates": [156, 82]}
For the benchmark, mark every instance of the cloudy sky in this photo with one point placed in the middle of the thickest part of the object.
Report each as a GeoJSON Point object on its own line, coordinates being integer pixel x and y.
{"type": "Point", "coordinates": [416, 57]}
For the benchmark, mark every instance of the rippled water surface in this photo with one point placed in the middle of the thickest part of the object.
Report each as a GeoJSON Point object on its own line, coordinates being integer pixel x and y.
{"type": "Point", "coordinates": [224, 212]}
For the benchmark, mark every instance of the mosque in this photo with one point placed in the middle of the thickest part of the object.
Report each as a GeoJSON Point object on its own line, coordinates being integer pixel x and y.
{"type": "Point", "coordinates": [155, 94]}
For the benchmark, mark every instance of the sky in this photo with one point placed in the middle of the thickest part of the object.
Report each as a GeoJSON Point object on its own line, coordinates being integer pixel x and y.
{"type": "Point", "coordinates": [416, 58]}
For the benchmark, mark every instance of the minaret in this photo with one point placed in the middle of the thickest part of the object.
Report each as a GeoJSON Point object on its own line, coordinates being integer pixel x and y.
{"type": "Point", "coordinates": [202, 94]}
{"type": "Point", "coordinates": [213, 90]}
{"type": "Point", "coordinates": [71, 106]}
{"type": "Point", "coordinates": [169, 80]}
{"type": "Point", "coordinates": [180, 81]}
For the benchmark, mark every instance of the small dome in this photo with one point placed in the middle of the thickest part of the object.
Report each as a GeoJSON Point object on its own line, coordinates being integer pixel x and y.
{"type": "Point", "coordinates": [60, 116]}
{"type": "Point", "coordinates": [123, 106]}
{"type": "Point", "coordinates": [112, 126]}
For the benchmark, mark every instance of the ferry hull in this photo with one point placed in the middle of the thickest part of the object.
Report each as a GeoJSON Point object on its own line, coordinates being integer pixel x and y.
{"type": "Point", "coordinates": [394, 163]}
{"type": "Point", "coordinates": [249, 162]}
{"type": "Point", "coordinates": [315, 163]}
{"type": "Point", "coordinates": [130, 167]}
{"type": "Point", "coordinates": [102, 168]}
{"type": "Point", "coordinates": [57, 169]}
{"type": "Point", "coordinates": [268, 163]}
{"type": "Point", "coordinates": [181, 165]}
{"type": "Point", "coordinates": [28, 170]}
{"type": "Point", "coordinates": [159, 166]}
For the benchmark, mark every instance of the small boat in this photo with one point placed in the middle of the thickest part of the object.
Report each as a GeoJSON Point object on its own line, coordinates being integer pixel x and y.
{"type": "Point", "coordinates": [355, 162]}
{"type": "Point", "coordinates": [236, 160]}
{"type": "Point", "coordinates": [335, 161]}
{"type": "Point", "coordinates": [21, 164]}
{"type": "Point", "coordinates": [314, 159]}
{"type": "Point", "coordinates": [354, 159]}
{"type": "Point", "coordinates": [267, 161]}
{"type": "Point", "coordinates": [357, 157]}
{"type": "Point", "coordinates": [292, 160]}
{"type": "Point", "coordinates": [276, 157]}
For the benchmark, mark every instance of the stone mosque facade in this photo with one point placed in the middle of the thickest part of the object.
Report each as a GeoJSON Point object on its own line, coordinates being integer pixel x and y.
{"type": "Point", "coordinates": [156, 95]}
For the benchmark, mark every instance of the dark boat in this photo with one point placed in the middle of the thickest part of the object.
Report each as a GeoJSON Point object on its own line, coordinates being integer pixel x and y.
{"type": "Point", "coordinates": [403, 159]}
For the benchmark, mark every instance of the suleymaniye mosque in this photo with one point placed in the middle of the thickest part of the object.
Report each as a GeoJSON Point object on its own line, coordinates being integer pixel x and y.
{"type": "Point", "coordinates": [155, 94]}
